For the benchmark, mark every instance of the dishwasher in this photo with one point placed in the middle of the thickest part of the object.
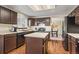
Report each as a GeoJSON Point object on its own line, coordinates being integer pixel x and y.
{"type": "Point", "coordinates": [20, 39]}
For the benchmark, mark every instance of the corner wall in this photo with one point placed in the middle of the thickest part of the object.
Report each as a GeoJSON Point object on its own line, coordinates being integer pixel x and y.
{"type": "Point", "coordinates": [22, 20]}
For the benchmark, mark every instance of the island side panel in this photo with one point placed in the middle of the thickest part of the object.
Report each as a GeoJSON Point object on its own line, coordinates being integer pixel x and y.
{"type": "Point", "coordinates": [34, 45]}
{"type": "Point", "coordinates": [1, 44]}
{"type": "Point", "coordinates": [46, 43]}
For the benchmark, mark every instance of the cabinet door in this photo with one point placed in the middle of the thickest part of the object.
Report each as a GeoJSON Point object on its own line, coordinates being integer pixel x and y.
{"type": "Point", "coordinates": [73, 45]}
{"type": "Point", "coordinates": [73, 51]}
{"type": "Point", "coordinates": [77, 11]}
{"type": "Point", "coordinates": [31, 22]}
{"type": "Point", "coordinates": [34, 46]}
{"type": "Point", "coordinates": [69, 44]}
{"type": "Point", "coordinates": [77, 20]}
{"type": "Point", "coordinates": [5, 15]}
{"type": "Point", "coordinates": [10, 43]}
{"type": "Point", "coordinates": [13, 17]}
{"type": "Point", "coordinates": [1, 44]}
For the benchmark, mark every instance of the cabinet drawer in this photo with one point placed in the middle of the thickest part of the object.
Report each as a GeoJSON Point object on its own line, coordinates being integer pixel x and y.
{"type": "Point", "coordinates": [10, 35]}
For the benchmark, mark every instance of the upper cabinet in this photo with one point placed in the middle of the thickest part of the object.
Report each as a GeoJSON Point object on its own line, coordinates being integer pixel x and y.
{"type": "Point", "coordinates": [7, 16]}
{"type": "Point", "coordinates": [13, 17]}
{"type": "Point", "coordinates": [76, 14]}
{"type": "Point", "coordinates": [39, 21]}
{"type": "Point", "coordinates": [45, 21]}
{"type": "Point", "coordinates": [31, 22]}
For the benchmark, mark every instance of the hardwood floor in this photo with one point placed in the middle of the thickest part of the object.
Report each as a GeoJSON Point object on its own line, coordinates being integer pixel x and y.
{"type": "Point", "coordinates": [20, 50]}
{"type": "Point", "coordinates": [54, 47]}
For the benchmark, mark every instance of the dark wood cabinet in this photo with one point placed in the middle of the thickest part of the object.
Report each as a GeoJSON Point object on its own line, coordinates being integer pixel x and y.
{"type": "Point", "coordinates": [77, 20]}
{"type": "Point", "coordinates": [73, 45]}
{"type": "Point", "coordinates": [7, 16]}
{"type": "Point", "coordinates": [1, 44]}
{"type": "Point", "coordinates": [75, 13]}
{"type": "Point", "coordinates": [37, 21]}
{"type": "Point", "coordinates": [31, 21]}
{"type": "Point", "coordinates": [71, 26]}
{"type": "Point", "coordinates": [36, 45]}
{"type": "Point", "coordinates": [13, 17]}
{"type": "Point", "coordinates": [9, 42]}
{"type": "Point", "coordinates": [45, 21]}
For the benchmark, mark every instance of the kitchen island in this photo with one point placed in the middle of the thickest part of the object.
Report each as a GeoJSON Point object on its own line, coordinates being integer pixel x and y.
{"type": "Point", "coordinates": [36, 43]}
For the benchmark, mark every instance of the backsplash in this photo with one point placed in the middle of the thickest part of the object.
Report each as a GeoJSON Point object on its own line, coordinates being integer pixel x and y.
{"type": "Point", "coordinates": [5, 27]}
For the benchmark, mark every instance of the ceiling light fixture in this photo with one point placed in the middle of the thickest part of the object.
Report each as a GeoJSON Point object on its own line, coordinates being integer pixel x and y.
{"type": "Point", "coordinates": [41, 7]}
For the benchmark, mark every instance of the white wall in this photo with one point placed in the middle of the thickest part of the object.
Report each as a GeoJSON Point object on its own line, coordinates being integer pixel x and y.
{"type": "Point", "coordinates": [22, 20]}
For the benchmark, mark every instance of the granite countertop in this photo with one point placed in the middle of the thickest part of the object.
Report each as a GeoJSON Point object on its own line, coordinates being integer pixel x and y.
{"type": "Point", "coordinates": [37, 35]}
{"type": "Point", "coordinates": [4, 33]}
{"type": "Point", "coordinates": [8, 32]}
{"type": "Point", "coordinates": [76, 35]}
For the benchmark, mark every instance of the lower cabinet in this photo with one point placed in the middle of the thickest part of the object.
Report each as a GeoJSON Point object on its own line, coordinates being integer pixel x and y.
{"type": "Point", "coordinates": [34, 46]}
{"type": "Point", "coordinates": [9, 42]}
{"type": "Point", "coordinates": [73, 45]}
{"type": "Point", "coordinates": [1, 44]}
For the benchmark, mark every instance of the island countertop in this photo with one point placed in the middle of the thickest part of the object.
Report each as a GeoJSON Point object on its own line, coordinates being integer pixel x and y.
{"type": "Point", "coordinates": [37, 35]}
{"type": "Point", "coordinates": [75, 35]}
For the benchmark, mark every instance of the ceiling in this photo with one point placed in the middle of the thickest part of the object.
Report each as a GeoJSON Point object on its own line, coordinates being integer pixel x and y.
{"type": "Point", "coordinates": [59, 10]}
{"type": "Point", "coordinates": [41, 7]}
